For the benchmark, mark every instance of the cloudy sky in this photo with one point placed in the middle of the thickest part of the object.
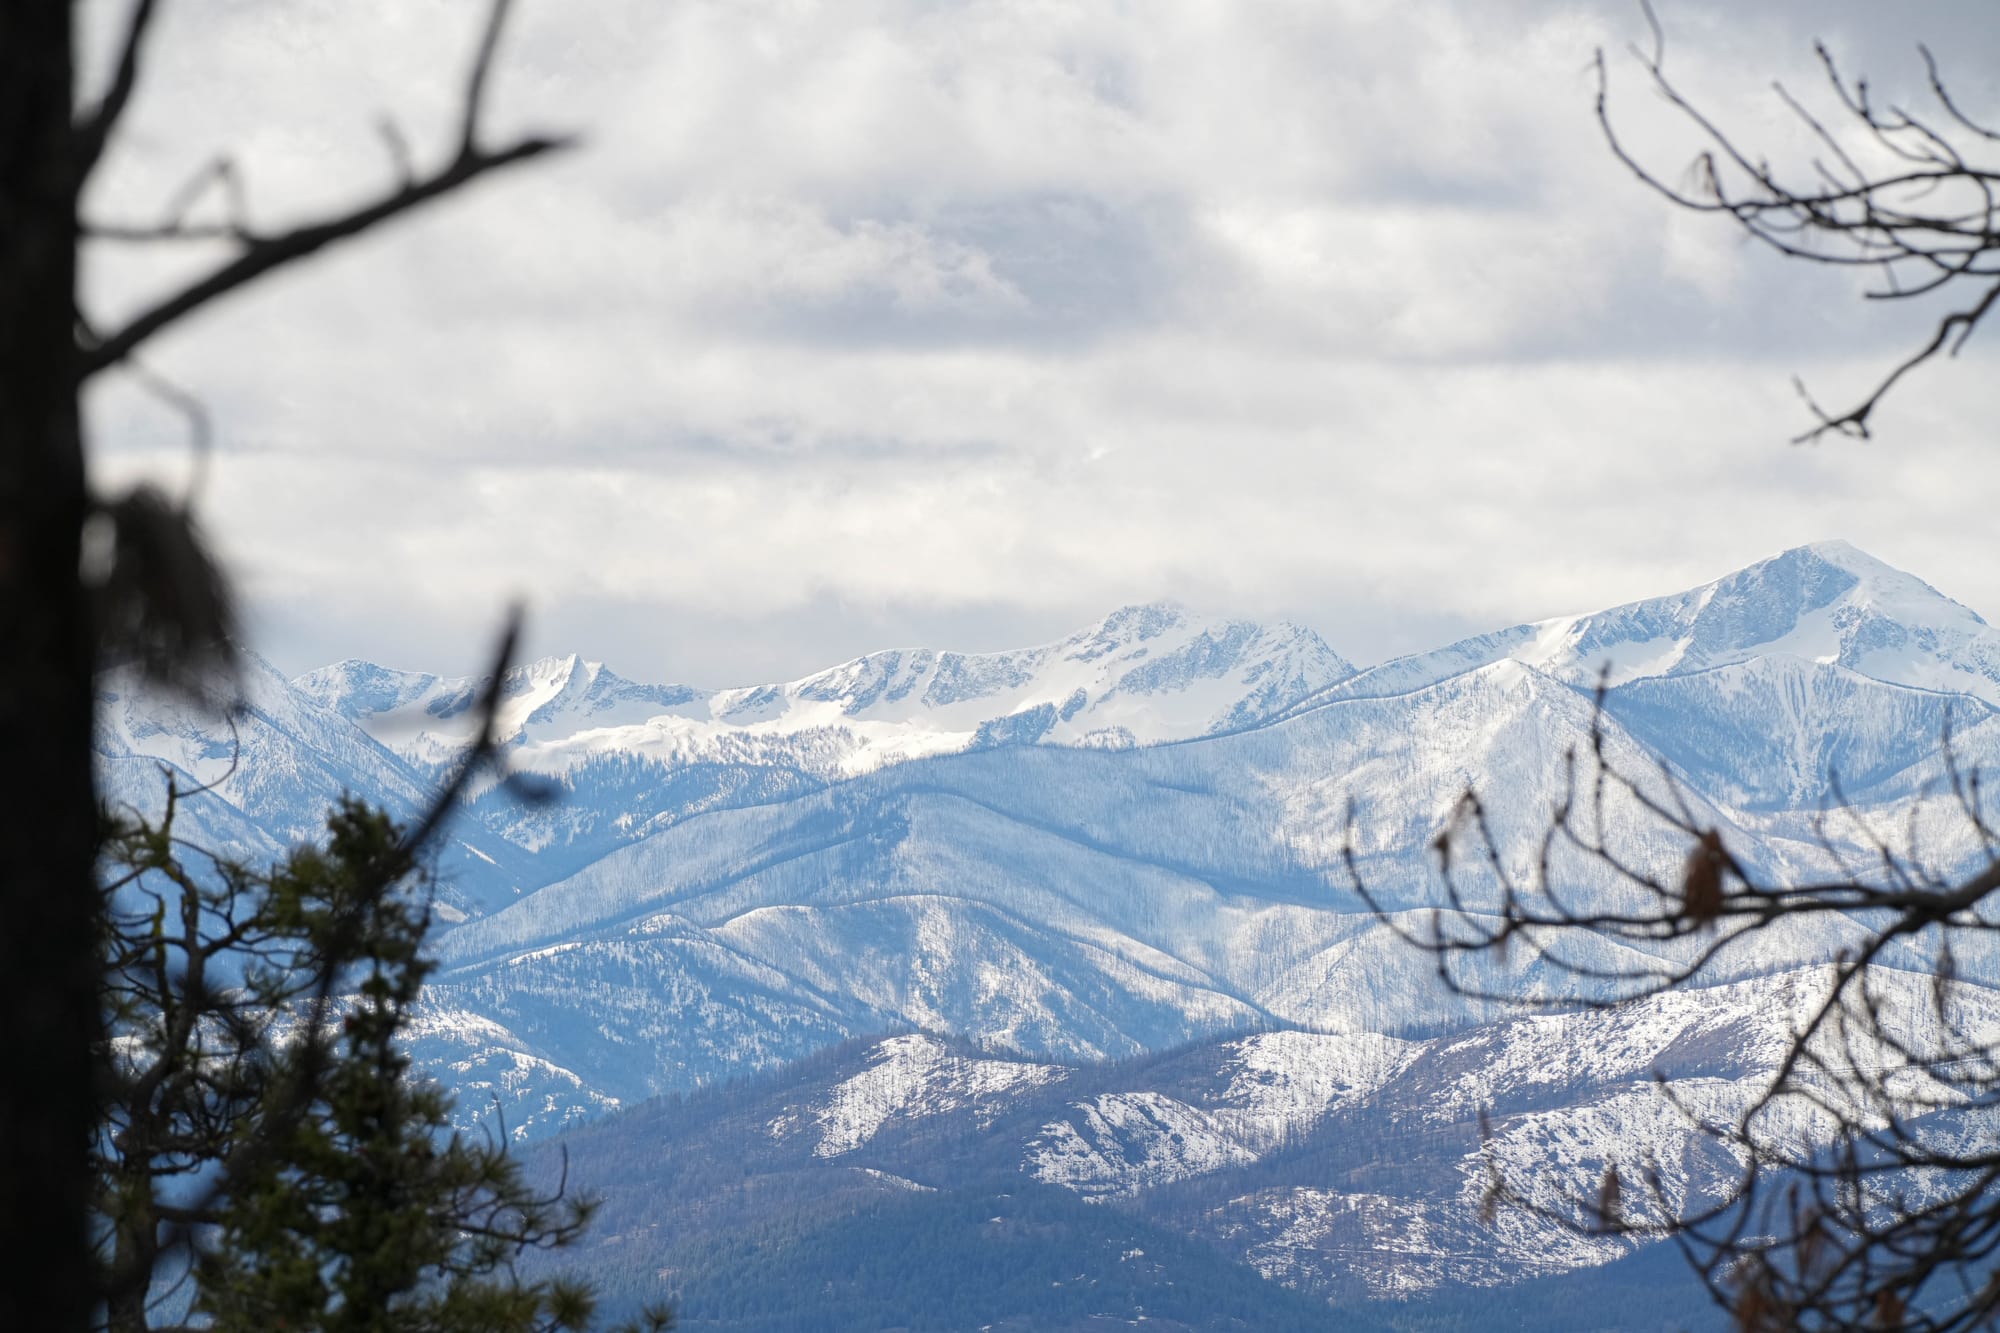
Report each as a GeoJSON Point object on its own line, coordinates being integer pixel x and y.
{"type": "Point", "coordinates": [907, 321]}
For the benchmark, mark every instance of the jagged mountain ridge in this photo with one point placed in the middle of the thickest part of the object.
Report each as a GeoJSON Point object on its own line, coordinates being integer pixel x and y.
{"type": "Point", "coordinates": [1142, 675]}
{"type": "Point", "coordinates": [629, 759]}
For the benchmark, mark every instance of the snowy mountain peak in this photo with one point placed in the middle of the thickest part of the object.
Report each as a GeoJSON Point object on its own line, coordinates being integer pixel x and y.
{"type": "Point", "coordinates": [1768, 601]}
{"type": "Point", "coordinates": [1827, 603]}
{"type": "Point", "coordinates": [1135, 624]}
{"type": "Point", "coordinates": [556, 673]}
{"type": "Point", "coordinates": [355, 688]}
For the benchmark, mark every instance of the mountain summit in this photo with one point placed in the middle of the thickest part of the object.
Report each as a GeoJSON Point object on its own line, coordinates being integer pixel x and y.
{"type": "Point", "coordinates": [1827, 603]}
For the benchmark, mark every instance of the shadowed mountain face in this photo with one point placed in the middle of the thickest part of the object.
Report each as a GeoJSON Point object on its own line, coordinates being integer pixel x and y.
{"type": "Point", "coordinates": [1349, 1168]}
{"type": "Point", "coordinates": [1102, 849]}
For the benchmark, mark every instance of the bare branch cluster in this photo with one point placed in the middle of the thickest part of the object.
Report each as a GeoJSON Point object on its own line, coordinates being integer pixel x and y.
{"type": "Point", "coordinates": [1914, 198]}
{"type": "Point", "coordinates": [259, 252]}
{"type": "Point", "coordinates": [1869, 1186]}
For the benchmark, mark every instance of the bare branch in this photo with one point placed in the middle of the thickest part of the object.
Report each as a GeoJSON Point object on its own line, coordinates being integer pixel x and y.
{"type": "Point", "coordinates": [399, 150]}
{"type": "Point", "coordinates": [267, 254]}
{"type": "Point", "coordinates": [475, 84]}
{"type": "Point", "coordinates": [95, 130]}
{"type": "Point", "coordinates": [1932, 222]}
{"type": "Point", "coordinates": [260, 254]}
{"type": "Point", "coordinates": [1854, 422]}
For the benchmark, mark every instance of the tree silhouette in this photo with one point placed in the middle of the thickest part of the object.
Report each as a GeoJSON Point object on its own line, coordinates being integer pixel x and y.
{"type": "Point", "coordinates": [267, 1157]}
{"type": "Point", "coordinates": [159, 603]}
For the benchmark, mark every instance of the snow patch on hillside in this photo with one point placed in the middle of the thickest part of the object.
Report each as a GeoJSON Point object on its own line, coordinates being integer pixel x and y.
{"type": "Point", "coordinates": [1121, 1143]}
{"type": "Point", "coordinates": [916, 1075]}
{"type": "Point", "coordinates": [1282, 1082]}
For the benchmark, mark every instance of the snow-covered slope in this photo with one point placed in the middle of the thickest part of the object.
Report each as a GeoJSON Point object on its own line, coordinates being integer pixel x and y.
{"type": "Point", "coordinates": [1768, 733]}
{"type": "Point", "coordinates": [731, 880]}
{"type": "Point", "coordinates": [261, 780]}
{"type": "Point", "coordinates": [1058, 903]}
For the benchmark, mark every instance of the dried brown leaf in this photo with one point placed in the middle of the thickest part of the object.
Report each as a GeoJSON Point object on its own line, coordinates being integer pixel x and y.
{"type": "Point", "coordinates": [1701, 880]}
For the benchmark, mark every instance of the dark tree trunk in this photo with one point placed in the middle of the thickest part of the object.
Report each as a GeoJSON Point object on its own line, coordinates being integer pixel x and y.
{"type": "Point", "coordinates": [48, 1019]}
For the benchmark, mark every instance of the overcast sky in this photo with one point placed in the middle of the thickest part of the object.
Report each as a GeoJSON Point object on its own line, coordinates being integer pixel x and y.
{"type": "Point", "coordinates": [864, 324]}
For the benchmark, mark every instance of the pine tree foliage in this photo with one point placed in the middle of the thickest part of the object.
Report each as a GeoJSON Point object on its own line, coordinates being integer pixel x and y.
{"type": "Point", "coordinates": [265, 1138]}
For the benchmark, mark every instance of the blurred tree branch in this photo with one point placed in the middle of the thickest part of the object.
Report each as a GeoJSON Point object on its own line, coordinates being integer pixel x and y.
{"type": "Point", "coordinates": [260, 253]}
{"type": "Point", "coordinates": [162, 603]}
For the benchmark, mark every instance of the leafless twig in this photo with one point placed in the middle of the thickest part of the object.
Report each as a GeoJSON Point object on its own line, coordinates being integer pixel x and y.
{"type": "Point", "coordinates": [1929, 222]}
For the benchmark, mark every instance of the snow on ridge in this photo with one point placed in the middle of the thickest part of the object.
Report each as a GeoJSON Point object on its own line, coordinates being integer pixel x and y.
{"type": "Point", "coordinates": [1119, 1143]}
{"type": "Point", "coordinates": [1827, 602]}
{"type": "Point", "coordinates": [1141, 675]}
{"type": "Point", "coordinates": [896, 1182]}
{"type": "Point", "coordinates": [497, 1078]}
{"type": "Point", "coordinates": [915, 1075]}
{"type": "Point", "coordinates": [1281, 1082]}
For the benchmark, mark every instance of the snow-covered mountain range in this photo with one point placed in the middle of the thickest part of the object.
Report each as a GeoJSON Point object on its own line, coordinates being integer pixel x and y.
{"type": "Point", "coordinates": [1103, 849]}
{"type": "Point", "coordinates": [1143, 674]}
{"type": "Point", "coordinates": [633, 759]}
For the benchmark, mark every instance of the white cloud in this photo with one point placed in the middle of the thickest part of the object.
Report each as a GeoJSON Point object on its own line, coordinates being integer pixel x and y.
{"type": "Point", "coordinates": [1000, 313]}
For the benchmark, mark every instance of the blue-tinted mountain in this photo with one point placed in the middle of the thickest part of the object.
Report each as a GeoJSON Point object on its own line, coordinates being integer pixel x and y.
{"type": "Point", "coordinates": [1071, 859]}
